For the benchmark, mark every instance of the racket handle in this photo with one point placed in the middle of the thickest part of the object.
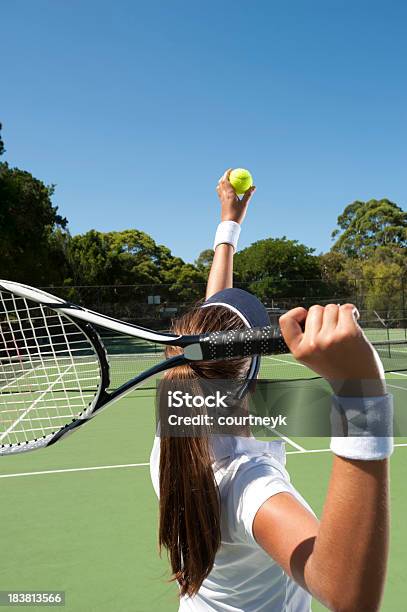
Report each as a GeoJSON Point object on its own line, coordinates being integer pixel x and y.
{"type": "Point", "coordinates": [242, 343]}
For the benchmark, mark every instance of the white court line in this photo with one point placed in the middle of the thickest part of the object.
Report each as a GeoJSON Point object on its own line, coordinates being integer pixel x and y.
{"type": "Point", "coordinates": [26, 373]}
{"type": "Point", "coordinates": [288, 440]}
{"type": "Point", "coordinates": [323, 450]}
{"type": "Point", "coordinates": [83, 469]}
{"type": "Point", "coordinates": [300, 365]}
{"type": "Point", "coordinates": [314, 450]}
{"type": "Point", "coordinates": [128, 465]}
{"type": "Point", "coordinates": [396, 387]}
{"type": "Point", "coordinates": [33, 405]}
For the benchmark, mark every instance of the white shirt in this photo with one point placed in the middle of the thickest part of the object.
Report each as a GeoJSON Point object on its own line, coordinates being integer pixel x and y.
{"type": "Point", "coordinates": [244, 577]}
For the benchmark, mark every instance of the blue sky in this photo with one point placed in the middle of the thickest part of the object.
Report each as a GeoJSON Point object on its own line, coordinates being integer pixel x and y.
{"type": "Point", "coordinates": [134, 109]}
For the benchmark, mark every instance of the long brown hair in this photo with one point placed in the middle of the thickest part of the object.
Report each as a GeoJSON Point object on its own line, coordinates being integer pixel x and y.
{"type": "Point", "coordinates": [189, 498]}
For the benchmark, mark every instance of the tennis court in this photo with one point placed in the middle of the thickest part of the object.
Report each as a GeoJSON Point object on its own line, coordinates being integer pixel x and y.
{"type": "Point", "coordinates": [82, 516]}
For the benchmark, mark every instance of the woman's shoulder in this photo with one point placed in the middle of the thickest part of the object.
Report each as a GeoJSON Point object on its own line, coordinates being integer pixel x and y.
{"type": "Point", "coordinates": [246, 484]}
{"type": "Point", "coordinates": [242, 460]}
{"type": "Point", "coordinates": [247, 475]}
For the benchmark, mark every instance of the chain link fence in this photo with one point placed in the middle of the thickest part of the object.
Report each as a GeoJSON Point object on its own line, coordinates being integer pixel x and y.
{"type": "Point", "coordinates": [382, 302]}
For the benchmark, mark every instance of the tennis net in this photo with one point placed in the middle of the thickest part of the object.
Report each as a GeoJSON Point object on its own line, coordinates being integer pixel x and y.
{"type": "Point", "coordinates": [127, 364]}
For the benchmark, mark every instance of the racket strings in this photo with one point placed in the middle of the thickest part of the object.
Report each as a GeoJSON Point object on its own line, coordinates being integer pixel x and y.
{"type": "Point", "coordinates": [49, 371]}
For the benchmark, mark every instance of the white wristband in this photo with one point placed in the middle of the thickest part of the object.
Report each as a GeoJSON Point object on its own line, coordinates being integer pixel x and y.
{"type": "Point", "coordinates": [228, 232]}
{"type": "Point", "coordinates": [364, 425]}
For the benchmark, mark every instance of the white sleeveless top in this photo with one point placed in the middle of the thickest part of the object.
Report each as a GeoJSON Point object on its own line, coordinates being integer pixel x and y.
{"type": "Point", "coordinates": [244, 577]}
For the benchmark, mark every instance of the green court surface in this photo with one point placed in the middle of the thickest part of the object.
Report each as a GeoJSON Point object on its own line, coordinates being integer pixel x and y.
{"type": "Point", "coordinates": [82, 516]}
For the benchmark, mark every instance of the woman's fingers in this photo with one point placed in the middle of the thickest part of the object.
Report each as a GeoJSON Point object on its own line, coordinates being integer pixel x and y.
{"type": "Point", "coordinates": [330, 319]}
{"type": "Point", "coordinates": [348, 318]}
{"type": "Point", "coordinates": [225, 176]}
{"type": "Point", "coordinates": [332, 344]}
{"type": "Point", "coordinates": [233, 209]}
{"type": "Point", "coordinates": [291, 325]}
{"type": "Point", "coordinates": [248, 195]}
{"type": "Point", "coordinates": [224, 186]}
{"type": "Point", "coordinates": [313, 323]}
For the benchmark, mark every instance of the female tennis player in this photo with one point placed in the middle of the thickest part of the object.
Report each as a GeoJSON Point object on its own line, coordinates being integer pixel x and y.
{"type": "Point", "coordinates": [239, 536]}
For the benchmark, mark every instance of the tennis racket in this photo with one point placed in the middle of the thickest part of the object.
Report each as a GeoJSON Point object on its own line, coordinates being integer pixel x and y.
{"type": "Point", "coordinates": [54, 369]}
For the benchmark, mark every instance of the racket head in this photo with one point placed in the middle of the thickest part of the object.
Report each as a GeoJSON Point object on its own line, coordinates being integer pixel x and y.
{"type": "Point", "coordinates": [94, 318]}
{"type": "Point", "coordinates": [25, 291]}
{"type": "Point", "coordinates": [53, 372]}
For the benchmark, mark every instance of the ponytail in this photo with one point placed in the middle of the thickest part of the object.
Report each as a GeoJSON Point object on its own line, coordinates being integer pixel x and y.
{"type": "Point", "coordinates": [189, 526]}
{"type": "Point", "coordinates": [189, 510]}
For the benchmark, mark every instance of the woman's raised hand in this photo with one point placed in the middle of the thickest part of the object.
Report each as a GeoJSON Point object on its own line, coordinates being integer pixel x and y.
{"type": "Point", "coordinates": [329, 340]}
{"type": "Point", "coordinates": [233, 208]}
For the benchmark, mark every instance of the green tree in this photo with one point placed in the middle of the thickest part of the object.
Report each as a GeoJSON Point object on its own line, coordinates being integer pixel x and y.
{"type": "Point", "coordinates": [30, 229]}
{"type": "Point", "coordinates": [376, 282]}
{"type": "Point", "coordinates": [392, 254]}
{"type": "Point", "coordinates": [89, 259]}
{"type": "Point", "coordinates": [186, 283]}
{"type": "Point", "coordinates": [204, 260]}
{"type": "Point", "coordinates": [278, 267]}
{"type": "Point", "coordinates": [365, 226]}
{"type": "Point", "coordinates": [115, 258]}
{"type": "Point", "coordinates": [135, 256]}
{"type": "Point", "coordinates": [132, 258]}
{"type": "Point", "coordinates": [338, 280]}
{"type": "Point", "coordinates": [382, 287]}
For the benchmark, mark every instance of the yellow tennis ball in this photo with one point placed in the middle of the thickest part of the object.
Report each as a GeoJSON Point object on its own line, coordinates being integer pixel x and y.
{"type": "Point", "coordinates": [241, 180]}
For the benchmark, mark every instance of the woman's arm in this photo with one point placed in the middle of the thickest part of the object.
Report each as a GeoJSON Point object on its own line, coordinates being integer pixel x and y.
{"type": "Point", "coordinates": [221, 273]}
{"type": "Point", "coordinates": [341, 560]}
{"type": "Point", "coordinates": [233, 209]}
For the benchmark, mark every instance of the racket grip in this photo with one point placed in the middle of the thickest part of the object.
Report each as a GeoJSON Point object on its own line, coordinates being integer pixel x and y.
{"type": "Point", "coordinates": [243, 343]}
